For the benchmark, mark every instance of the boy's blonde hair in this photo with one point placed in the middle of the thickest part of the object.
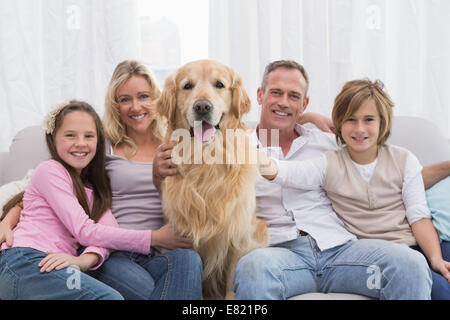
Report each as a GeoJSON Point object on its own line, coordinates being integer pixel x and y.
{"type": "Point", "coordinates": [353, 95]}
{"type": "Point", "coordinates": [115, 129]}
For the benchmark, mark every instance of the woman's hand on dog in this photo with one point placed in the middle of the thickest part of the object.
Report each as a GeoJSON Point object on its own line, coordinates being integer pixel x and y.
{"type": "Point", "coordinates": [168, 238]}
{"type": "Point", "coordinates": [163, 165]}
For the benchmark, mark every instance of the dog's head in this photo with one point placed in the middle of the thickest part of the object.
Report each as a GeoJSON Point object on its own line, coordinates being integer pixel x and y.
{"type": "Point", "coordinates": [203, 96]}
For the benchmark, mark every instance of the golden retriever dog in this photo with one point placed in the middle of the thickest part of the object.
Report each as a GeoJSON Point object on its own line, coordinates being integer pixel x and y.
{"type": "Point", "coordinates": [212, 199]}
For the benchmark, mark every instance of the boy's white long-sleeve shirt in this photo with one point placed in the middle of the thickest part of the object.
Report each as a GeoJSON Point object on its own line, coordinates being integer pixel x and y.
{"type": "Point", "coordinates": [310, 174]}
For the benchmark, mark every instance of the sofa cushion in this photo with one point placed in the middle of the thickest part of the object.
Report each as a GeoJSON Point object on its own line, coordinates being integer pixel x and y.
{"type": "Point", "coordinates": [330, 296]}
{"type": "Point", "coordinates": [27, 150]}
{"type": "Point", "coordinates": [438, 198]}
{"type": "Point", "coordinates": [422, 137]}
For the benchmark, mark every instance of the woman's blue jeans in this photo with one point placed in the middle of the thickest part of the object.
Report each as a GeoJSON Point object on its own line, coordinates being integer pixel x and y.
{"type": "Point", "coordinates": [174, 275]}
{"type": "Point", "coordinates": [21, 279]}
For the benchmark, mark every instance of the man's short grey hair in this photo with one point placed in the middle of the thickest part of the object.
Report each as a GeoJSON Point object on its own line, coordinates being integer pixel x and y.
{"type": "Point", "coordinates": [287, 64]}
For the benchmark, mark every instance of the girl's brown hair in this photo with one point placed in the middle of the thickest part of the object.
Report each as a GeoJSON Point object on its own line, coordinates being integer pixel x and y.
{"type": "Point", "coordinates": [94, 175]}
{"type": "Point", "coordinates": [14, 201]}
{"type": "Point", "coordinates": [352, 96]}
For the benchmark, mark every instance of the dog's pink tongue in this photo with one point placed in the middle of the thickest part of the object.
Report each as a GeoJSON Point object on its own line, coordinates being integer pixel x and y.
{"type": "Point", "coordinates": [204, 131]}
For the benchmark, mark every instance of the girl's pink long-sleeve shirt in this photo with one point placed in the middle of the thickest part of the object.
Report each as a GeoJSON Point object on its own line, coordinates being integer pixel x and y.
{"type": "Point", "coordinates": [53, 220]}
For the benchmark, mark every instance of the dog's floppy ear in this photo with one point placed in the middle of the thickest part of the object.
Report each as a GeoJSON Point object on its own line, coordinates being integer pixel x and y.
{"type": "Point", "coordinates": [241, 102]}
{"type": "Point", "coordinates": [166, 103]}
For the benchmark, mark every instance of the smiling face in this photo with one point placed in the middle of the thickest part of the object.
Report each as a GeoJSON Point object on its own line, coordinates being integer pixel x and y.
{"type": "Point", "coordinates": [135, 105]}
{"type": "Point", "coordinates": [283, 100]}
{"type": "Point", "coordinates": [76, 140]}
{"type": "Point", "coordinates": [361, 132]}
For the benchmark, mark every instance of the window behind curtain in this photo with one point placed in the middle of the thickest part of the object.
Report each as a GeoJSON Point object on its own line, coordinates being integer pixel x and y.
{"type": "Point", "coordinates": [173, 32]}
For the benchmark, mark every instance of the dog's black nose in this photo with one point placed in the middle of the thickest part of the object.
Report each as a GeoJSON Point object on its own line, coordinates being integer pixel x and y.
{"type": "Point", "coordinates": [202, 106]}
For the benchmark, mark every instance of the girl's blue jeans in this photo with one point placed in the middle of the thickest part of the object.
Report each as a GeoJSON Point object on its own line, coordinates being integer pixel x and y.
{"type": "Point", "coordinates": [21, 279]}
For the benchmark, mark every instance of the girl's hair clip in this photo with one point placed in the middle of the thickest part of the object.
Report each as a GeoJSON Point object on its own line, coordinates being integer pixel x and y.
{"type": "Point", "coordinates": [50, 119]}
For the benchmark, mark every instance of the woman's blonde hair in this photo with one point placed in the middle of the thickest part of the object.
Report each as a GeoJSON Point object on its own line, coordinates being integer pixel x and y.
{"type": "Point", "coordinates": [352, 96]}
{"type": "Point", "coordinates": [115, 129]}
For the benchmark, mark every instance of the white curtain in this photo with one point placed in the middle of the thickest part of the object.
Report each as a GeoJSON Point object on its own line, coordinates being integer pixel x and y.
{"type": "Point", "coordinates": [57, 50]}
{"type": "Point", "coordinates": [404, 43]}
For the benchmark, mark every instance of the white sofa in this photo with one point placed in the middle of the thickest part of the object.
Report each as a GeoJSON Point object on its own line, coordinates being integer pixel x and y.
{"type": "Point", "coordinates": [422, 137]}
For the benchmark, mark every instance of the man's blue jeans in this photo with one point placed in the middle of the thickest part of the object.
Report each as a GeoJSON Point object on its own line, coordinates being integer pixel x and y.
{"type": "Point", "coordinates": [174, 275]}
{"type": "Point", "coordinates": [374, 268]}
{"type": "Point", "coordinates": [20, 278]}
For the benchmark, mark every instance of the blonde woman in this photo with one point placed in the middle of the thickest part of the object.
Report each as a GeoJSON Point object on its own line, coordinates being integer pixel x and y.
{"type": "Point", "coordinates": [136, 204]}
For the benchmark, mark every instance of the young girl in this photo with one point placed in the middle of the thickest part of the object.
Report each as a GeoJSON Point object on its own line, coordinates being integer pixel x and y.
{"type": "Point", "coordinates": [62, 204]}
{"type": "Point", "coordinates": [376, 189]}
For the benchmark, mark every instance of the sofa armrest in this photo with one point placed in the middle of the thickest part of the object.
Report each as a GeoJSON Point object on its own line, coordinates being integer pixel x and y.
{"type": "Point", "coordinates": [3, 157]}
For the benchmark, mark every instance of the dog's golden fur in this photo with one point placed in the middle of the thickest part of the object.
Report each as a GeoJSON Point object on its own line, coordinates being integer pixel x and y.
{"type": "Point", "coordinates": [214, 204]}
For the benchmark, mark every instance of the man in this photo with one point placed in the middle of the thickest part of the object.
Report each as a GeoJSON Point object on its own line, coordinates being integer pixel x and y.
{"type": "Point", "coordinates": [310, 250]}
